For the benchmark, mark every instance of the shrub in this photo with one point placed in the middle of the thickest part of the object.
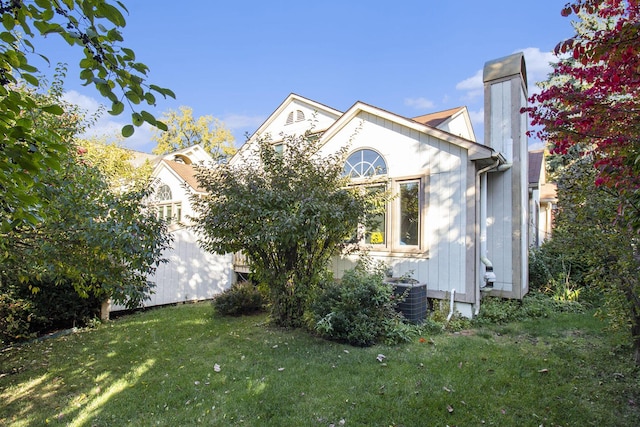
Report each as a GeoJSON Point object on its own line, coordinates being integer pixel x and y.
{"type": "Point", "coordinates": [360, 309]}
{"type": "Point", "coordinates": [15, 317]}
{"type": "Point", "coordinates": [56, 305]}
{"type": "Point", "coordinates": [241, 298]}
{"type": "Point", "coordinates": [496, 310]}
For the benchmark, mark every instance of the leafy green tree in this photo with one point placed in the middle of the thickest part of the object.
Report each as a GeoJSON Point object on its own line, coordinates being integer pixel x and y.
{"type": "Point", "coordinates": [589, 236]}
{"type": "Point", "coordinates": [104, 242]}
{"type": "Point", "coordinates": [26, 148]}
{"type": "Point", "coordinates": [289, 212]}
{"type": "Point", "coordinates": [184, 131]}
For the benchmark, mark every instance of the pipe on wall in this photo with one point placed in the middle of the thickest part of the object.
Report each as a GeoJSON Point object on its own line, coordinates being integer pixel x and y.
{"type": "Point", "coordinates": [481, 230]}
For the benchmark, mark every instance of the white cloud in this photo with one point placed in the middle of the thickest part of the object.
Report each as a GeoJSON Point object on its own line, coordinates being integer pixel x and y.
{"type": "Point", "coordinates": [109, 126]}
{"type": "Point", "coordinates": [477, 117]}
{"type": "Point", "coordinates": [419, 103]}
{"type": "Point", "coordinates": [239, 121]}
{"type": "Point", "coordinates": [537, 63]}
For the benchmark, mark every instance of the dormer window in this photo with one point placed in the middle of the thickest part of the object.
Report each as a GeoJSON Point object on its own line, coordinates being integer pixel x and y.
{"type": "Point", "coordinates": [167, 208]}
{"type": "Point", "coordinates": [297, 116]}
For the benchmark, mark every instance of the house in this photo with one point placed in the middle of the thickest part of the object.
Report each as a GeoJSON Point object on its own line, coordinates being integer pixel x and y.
{"type": "Point", "coordinates": [542, 200]}
{"type": "Point", "coordinates": [191, 274]}
{"type": "Point", "coordinates": [460, 221]}
{"type": "Point", "coordinates": [459, 224]}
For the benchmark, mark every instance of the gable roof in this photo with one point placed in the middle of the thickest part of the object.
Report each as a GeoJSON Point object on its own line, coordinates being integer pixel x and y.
{"type": "Point", "coordinates": [186, 172]}
{"type": "Point", "coordinates": [476, 151]}
{"type": "Point", "coordinates": [437, 118]}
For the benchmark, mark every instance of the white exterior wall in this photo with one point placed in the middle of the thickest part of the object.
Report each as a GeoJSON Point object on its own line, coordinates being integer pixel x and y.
{"type": "Point", "coordinates": [410, 153]}
{"type": "Point", "coordinates": [191, 273]}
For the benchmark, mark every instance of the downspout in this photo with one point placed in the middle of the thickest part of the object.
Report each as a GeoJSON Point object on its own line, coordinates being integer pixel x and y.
{"type": "Point", "coordinates": [451, 302]}
{"type": "Point", "coordinates": [481, 230]}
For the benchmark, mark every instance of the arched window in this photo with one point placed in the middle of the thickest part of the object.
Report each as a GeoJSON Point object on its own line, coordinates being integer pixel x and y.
{"type": "Point", "coordinates": [365, 163]}
{"type": "Point", "coordinates": [164, 193]}
{"type": "Point", "coordinates": [167, 208]}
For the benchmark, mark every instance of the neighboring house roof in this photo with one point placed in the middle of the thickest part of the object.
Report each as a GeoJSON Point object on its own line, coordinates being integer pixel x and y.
{"type": "Point", "coordinates": [535, 167]}
{"type": "Point", "coordinates": [436, 119]}
{"type": "Point", "coordinates": [186, 172]}
{"type": "Point", "coordinates": [138, 158]}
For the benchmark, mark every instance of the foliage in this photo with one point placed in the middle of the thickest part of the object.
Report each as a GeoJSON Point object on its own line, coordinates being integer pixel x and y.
{"type": "Point", "coordinates": [534, 305]}
{"type": "Point", "coordinates": [115, 163]}
{"type": "Point", "coordinates": [288, 212]}
{"type": "Point", "coordinates": [29, 148]}
{"type": "Point", "coordinates": [179, 366]}
{"type": "Point", "coordinates": [56, 305]}
{"type": "Point", "coordinates": [587, 218]}
{"type": "Point", "coordinates": [241, 298]}
{"type": "Point", "coordinates": [105, 243]}
{"type": "Point", "coordinates": [360, 309]}
{"type": "Point", "coordinates": [183, 131]}
{"type": "Point", "coordinates": [16, 315]}
{"type": "Point", "coordinates": [591, 101]}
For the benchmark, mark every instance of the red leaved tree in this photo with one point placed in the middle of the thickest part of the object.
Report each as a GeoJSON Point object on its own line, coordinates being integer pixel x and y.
{"type": "Point", "coordinates": [592, 100]}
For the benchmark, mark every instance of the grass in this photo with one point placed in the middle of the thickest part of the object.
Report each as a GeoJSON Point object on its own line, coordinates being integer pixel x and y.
{"type": "Point", "coordinates": [180, 366]}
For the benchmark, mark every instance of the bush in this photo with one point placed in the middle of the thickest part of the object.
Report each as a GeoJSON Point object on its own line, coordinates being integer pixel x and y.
{"type": "Point", "coordinates": [496, 310]}
{"type": "Point", "coordinates": [359, 310]}
{"type": "Point", "coordinates": [241, 298]}
{"type": "Point", "coordinates": [15, 319]}
{"type": "Point", "coordinates": [25, 314]}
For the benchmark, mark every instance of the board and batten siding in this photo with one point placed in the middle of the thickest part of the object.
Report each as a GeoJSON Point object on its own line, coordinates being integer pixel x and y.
{"type": "Point", "coordinates": [444, 264]}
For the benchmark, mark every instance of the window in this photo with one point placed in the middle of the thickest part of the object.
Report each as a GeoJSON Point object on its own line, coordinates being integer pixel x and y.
{"type": "Point", "coordinates": [364, 164]}
{"type": "Point", "coordinates": [168, 209]}
{"type": "Point", "coordinates": [398, 227]}
{"type": "Point", "coordinates": [375, 232]}
{"type": "Point", "coordinates": [409, 213]}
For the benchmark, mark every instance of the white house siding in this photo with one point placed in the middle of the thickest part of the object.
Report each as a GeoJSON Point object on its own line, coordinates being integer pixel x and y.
{"type": "Point", "coordinates": [408, 153]}
{"type": "Point", "coordinates": [191, 274]}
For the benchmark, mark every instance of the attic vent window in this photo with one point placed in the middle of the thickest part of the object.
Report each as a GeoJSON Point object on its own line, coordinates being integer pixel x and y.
{"type": "Point", "coordinates": [298, 115]}
{"type": "Point", "coordinates": [364, 164]}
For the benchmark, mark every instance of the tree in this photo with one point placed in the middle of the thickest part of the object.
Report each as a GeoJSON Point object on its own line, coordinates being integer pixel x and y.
{"type": "Point", "coordinates": [587, 219]}
{"type": "Point", "coordinates": [28, 149]}
{"type": "Point", "coordinates": [588, 111]}
{"type": "Point", "coordinates": [594, 102]}
{"type": "Point", "coordinates": [289, 212]}
{"type": "Point", "coordinates": [184, 131]}
{"type": "Point", "coordinates": [115, 163]}
{"type": "Point", "coordinates": [105, 242]}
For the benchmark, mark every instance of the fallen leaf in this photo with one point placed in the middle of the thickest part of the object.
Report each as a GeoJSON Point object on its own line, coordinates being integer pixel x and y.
{"type": "Point", "coordinates": [450, 409]}
{"type": "Point", "coordinates": [446, 389]}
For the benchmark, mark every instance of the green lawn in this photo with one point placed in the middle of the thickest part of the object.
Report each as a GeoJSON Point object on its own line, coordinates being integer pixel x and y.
{"type": "Point", "coordinates": [180, 366]}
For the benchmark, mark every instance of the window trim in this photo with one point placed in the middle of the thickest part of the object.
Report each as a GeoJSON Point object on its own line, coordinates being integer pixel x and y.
{"type": "Point", "coordinates": [392, 245]}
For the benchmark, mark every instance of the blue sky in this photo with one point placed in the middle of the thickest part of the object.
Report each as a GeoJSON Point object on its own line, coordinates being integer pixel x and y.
{"type": "Point", "coordinates": [238, 60]}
